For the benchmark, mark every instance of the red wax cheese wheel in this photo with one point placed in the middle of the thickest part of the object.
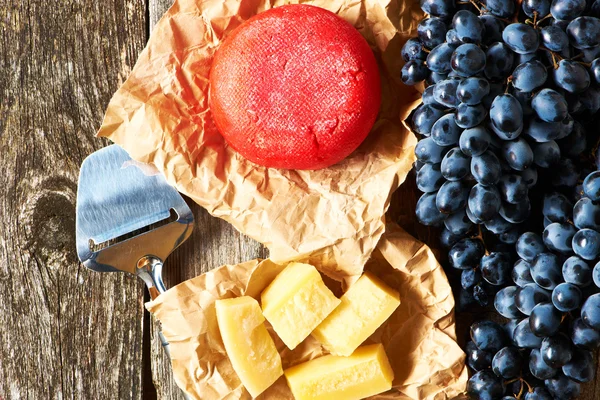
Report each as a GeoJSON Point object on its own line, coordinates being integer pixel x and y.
{"type": "Point", "coordinates": [295, 87]}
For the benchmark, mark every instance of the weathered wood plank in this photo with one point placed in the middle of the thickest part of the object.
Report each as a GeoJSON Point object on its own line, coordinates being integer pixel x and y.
{"type": "Point", "coordinates": [65, 332]}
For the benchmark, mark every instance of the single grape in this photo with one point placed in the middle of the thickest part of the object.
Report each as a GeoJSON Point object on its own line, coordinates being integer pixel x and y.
{"type": "Point", "coordinates": [518, 154]}
{"type": "Point", "coordinates": [458, 223]}
{"type": "Point", "coordinates": [581, 368]}
{"type": "Point", "coordinates": [546, 271]}
{"type": "Point", "coordinates": [542, 131]}
{"type": "Point", "coordinates": [428, 151]}
{"type": "Point", "coordinates": [493, 29]}
{"type": "Point", "coordinates": [561, 387]}
{"type": "Point", "coordinates": [445, 92]}
{"type": "Point", "coordinates": [567, 9]}
{"type": "Point", "coordinates": [507, 362]}
{"type": "Point", "coordinates": [413, 50]}
{"type": "Point", "coordinates": [538, 393]}
{"type": "Point", "coordinates": [583, 336]}
{"type": "Point", "coordinates": [498, 63]}
{"type": "Point", "coordinates": [538, 367]}
{"type": "Point", "coordinates": [472, 90]}
{"type": "Point", "coordinates": [486, 169]}
{"type": "Point", "coordinates": [529, 76]}
{"type": "Point", "coordinates": [447, 238]}
{"type": "Point", "coordinates": [559, 236]}
{"type": "Point", "coordinates": [478, 359]}
{"type": "Point", "coordinates": [468, 59]}
{"type": "Point", "coordinates": [424, 117]}
{"type": "Point", "coordinates": [557, 207]}
{"type": "Point", "coordinates": [586, 244]}
{"type": "Point", "coordinates": [484, 202]}
{"type": "Point", "coordinates": [529, 296]}
{"type": "Point", "coordinates": [506, 115]}
{"type": "Point", "coordinates": [429, 178]}
{"type": "Point", "coordinates": [498, 225]}
{"type": "Point", "coordinates": [427, 212]}
{"type": "Point", "coordinates": [438, 59]}
{"type": "Point", "coordinates": [413, 72]}
{"type": "Point", "coordinates": [584, 32]}
{"type": "Point", "coordinates": [576, 271]}
{"type": "Point", "coordinates": [545, 320]}
{"type": "Point", "coordinates": [590, 311]}
{"type": "Point", "coordinates": [529, 246]}
{"type": "Point", "coordinates": [566, 297]}
{"type": "Point", "coordinates": [452, 197]}
{"type": "Point", "coordinates": [474, 141]}
{"type": "Point", "coordinates": [455, 165]}
{"type": "Point", "coordinates": [496, 268]}
{"type": "Point", "coordinates": [524, 337]}
{"type": "Point", "coordinates": [438, 8]}
{"type": "Point", "coordinates": [481, 294]}
{"type": "Point", "coordinates": [549, 105]}
{"type": "Point", "coordinates": [468, 27]}
{"type": "Point", "coordinates": [510, 236]}
{"type": "Point", "coordinates": [469, 278]}
{"type": "Point", "coordinates": [546, 154]}
{"type": "Point", "coordinates": [469, 116]}
{"type": "Point", "coordinates": [521, 38]}
{"type": "Point", "coordinates": [530, 177]}
{"type": "Point", "coordinates": [484, 385]}
{"type": "Point", "coordinates": [591, 186]}
{"type": "Point", "coordinates": [445, 132]}
{"type": "Point", "coordinates": [521, 274]}
{"type": "Point", "coordinates": [539, 7]}
{"type": "Point", "coordinates": [504, 302]}
{"type": "Point", "coordinates": [571, 76]}
{"type": "Point", "coordinates": [500, 8]}
{"type": "Point", "coordinates": [466, 253]}
{"type": "Point", "coordinates": [556, 350]}
{"type": "Point", "coordinates": [554, 38]}
{"type": "Point", "coordinates": [516, 213]}
{"type": "Point", "coordinates": [488, 335]}
{"type": "Point", "coordinates": [431, 32]}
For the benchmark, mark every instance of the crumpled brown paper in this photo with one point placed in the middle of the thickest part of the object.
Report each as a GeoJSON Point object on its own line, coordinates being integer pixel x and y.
{"type": "Point", "coordinates": [419, 337]}
{"type": "Point", "coordinates": [332, 217]}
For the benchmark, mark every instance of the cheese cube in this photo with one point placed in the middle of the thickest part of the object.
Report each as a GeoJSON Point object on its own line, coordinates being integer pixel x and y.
{"type": "Point", "coordinates": [364, 308]}
{"type": "Point", "coordinates": [365, 373]}
{"type": "Point", "coordinates": [251, 350]}
{"type": "Point", "coordinates": [296, 302]}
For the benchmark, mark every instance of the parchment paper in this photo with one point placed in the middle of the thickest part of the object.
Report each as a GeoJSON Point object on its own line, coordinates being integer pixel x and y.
{"type": "Point", "coordinates": [419, 337]}
{"type": "Point", "coordinates": [332, 218]}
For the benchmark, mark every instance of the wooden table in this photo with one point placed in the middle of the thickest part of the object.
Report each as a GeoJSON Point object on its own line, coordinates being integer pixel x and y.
{"type": "Point", "coordinates": [66, 332]}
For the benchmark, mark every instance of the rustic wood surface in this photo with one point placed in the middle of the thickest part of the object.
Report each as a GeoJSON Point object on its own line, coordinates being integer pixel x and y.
{"type": "Point", "coordinates": [66, 332]}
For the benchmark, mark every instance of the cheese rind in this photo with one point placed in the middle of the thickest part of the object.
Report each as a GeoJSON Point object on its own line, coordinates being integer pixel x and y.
{"type": "Point", "coordinates": [249, 346]}
{"type": "Point", "coordinates": [365, 373]}
{"type": "Point", "coordinates": [296, 302]}
{"type": "Point", "coordinates": [363, 308]}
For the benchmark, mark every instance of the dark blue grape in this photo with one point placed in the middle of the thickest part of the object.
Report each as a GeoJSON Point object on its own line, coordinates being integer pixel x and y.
{"type": "Point", "coordinates": [556, 350]}
{"type": "Point", "coordinates": [413, 50]}
{"type": "Point", "coordinates": [511, 236]}
{"type": "Point", "coordinates": [542, 131]}
{"type": "Point", "coordinates": [438, 8]}
{"type": "Point", "coordinates": [484, 202]}
{"type": "Point", "coordinates": [529, 76]}
{"type": "Point", "coordinates": [469, 116]}
{"type": "Point", "coordinates": [509, 328]}
{"type": "Point", "coordinates": [474, 141]}
{"type": "Point", "coordinates": [451, 197]}
{"type": "Point", "coordinates": [427, 212]}
{"type": "Point", "coordinates": [546, 154]}
{"type": "Point", "coordinates": [499, 62]}
{"type": "Point", "coordinates": [529, 246]}
{"type": "Point", "coordinates": [591, 186]}
{"type": "Point", "coordinates": [530, 295]}
{"type": "Point", "coordinates": [581, 368]}
{"type": "Point", "coordinates": [595, 69]}
{"type": "Point", "coordinates": [521, 38]}
{"type": "Point", "coordinates": [596, 275]}
{"type": "Point", "coordinates": [562, 388]}
{"type": "Point", "coordinates": [486, 169]}
{"type": "Point", "coordinates": [429, 178]}
{"type": "Point", "coordinates": [586, 244]}
{"type": "Point", "coordinates": [452, 38]}
{"type": "Point", "coordinates": [549, 105]}
{"type": "Point", "coordinates": [558, 236]}
{"type": "Point", "coordinates": [566, 297]}
{"type": "Point", "coordinates": [448, 239]}
{"type": "Point", "coordinates": [482, 294]}
{"type": "Point", "coordinates": [546, 271]}
{"type": "Point", "coordinates": [469, 28]}
{"type": "Point", "coordinates": [455, 165]}
{"type": "Point", "coordinates": [566, 173]}
{"type": "Point", "coordinates": [584, 32]}
{"type": "Point", "coordinates": [445, 132]}
{"type": "Point", "coordinates": [435, 77]}
{"type": "Point", "coordinates": [516, 213]}
{"type": "Point", "coordinates": [427, 97]}
{"type": "Point", "coordinates": [583, 336]}
{"type": "Point", "coordinates": [556, 207]}
{"type": "Point", "coordinates": [466, 254]}
{"type": "Point", "coordinates": [472, 217]}
{"type": "Point", "coordinates": [504, 302]}
{"type": "Point", "coordinates": [571, 76]}
{"type": "Point", "coordinates": [554, 38]}
{"type": "Point", "coordinates": [521, 274]}
{"type": "Point", "coordinates": [438, 59]}
{"type": "Point", "coordinates": [506, 116]}
{"type": "Point", "coordinates": [496, 268]}
{"type": "Point", "coordinates": [524, 338]}
{"type": "Point", "coordinates": [530, 177]}
{"type": "Point", "coordinates": [545, 320]}
{"type": "Point", "coordinates": [538, 367]}
{"type": "Point", "coordinates": [424, 117]}
{"type": "Point", "coordinates": [458, 223]}
{"type": "Point", "coordinates": [431, 32]}
{"type": "Point", "coordinates": [488, 336]}
{"type": "Point", "coordinates": [493, 29]}
{"type": "Point", "coordinates": [538, 393]}
{"type": "Point", "coordinates": [539, 7]}
{"type": "Point", "coordinates": [429, 152]}
{"type": "Point", "coordinates": [468, 60]}
{"type": "Point", "coordinates": [590, 99]}
{"type": "Point", "coordinates": [478, 359]}
{"type": "Point", "coordinates": [472, 90]}
{"type": "Point", "coordinates": [576, 271]}
{"type": "Point", "coordinates": [445, 92]}
{"type": "Point", "coordinates": [567, 9]}
{"type": "Point", "coordinates": [498, 225]}
{"type": "Point", "coordinates": [469, 278]}
{"type": "Point", "coordinates": [590, 311]}
{"type": "Point", "coordinates": [484, 385]}
{"type": "Point", "coordinates": [507, 362]}
{"type": "Point", "coordinates": [512, 188]}
{"type": "Point", "coordinates": [413, 72]}
{"type": "Point", "coordinates": [500, 8]}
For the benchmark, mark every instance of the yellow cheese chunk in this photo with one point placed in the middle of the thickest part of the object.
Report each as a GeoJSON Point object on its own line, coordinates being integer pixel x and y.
{"type": "Point", "coordinates": [364, 308]}
{"type": "Point", "coordinates": [296, 302]}
{"type": "Point", "coordinates": [365, 373]}
{"type": "Point", "coordinates": [251, 350]}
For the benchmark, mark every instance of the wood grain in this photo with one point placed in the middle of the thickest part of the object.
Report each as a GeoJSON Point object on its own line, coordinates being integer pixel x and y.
{"type": "Point", "coordinates": [65, 332]}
